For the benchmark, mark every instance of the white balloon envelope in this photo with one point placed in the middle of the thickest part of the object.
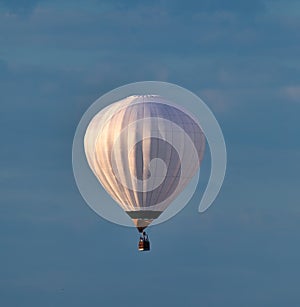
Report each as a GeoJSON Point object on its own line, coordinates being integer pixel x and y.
{"type": "Point", "coordinates": [144, 150]}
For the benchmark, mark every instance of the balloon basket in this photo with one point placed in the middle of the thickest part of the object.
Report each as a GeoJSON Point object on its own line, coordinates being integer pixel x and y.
{"type": "Point", "coordinates": [144, 243]}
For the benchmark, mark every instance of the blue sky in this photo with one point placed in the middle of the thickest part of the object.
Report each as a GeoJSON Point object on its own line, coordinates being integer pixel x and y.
{"type": "Point", "coordinates": [242, 59]}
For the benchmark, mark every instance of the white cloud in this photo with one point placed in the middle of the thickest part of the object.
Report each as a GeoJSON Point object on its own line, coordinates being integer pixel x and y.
{"type": "Point", "coordinates": [292, 92]}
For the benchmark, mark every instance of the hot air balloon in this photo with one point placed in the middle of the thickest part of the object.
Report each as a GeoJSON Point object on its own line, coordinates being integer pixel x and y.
{"type": "Point", "coordinates": [144, 150]}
